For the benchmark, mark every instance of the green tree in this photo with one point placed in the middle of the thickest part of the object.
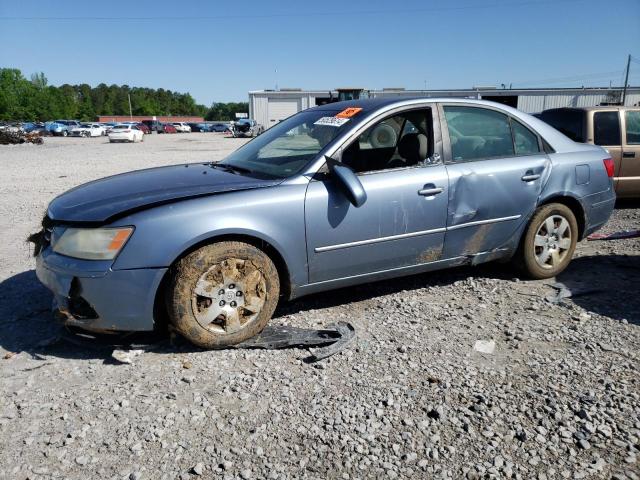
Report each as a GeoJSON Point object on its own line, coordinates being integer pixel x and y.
{"type": "Point", "coordinates": [34, 99]}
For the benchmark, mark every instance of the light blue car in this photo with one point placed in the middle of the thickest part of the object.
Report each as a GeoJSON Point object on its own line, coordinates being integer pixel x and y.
{"type": "Point", "coordinates": [337, 195]}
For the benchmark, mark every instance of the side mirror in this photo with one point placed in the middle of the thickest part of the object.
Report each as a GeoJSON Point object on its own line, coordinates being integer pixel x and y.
{"type": "Point", "coordinates": [348, 182]}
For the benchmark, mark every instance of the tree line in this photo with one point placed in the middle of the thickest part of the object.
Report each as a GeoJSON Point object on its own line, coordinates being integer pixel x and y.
{"type": "Point", "coordinates": [23, 99]}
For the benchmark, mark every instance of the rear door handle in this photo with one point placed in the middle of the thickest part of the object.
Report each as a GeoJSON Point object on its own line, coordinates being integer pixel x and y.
{"type": "Point", "coordinates": [628, 154]}
{"type": "Point", "coordinates": [530, 177]}
{"type": "Point", "coordinates": [428, 192]}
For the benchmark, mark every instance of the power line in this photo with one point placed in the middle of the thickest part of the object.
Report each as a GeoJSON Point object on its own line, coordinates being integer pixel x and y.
{"type": "Point", "coordinates": [297, 14]}
{"type": "Point", "coordinates": [573, 78]}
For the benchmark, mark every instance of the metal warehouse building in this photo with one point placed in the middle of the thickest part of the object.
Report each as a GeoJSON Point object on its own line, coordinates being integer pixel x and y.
{"type": "Point", "coordinates": [268, 107]}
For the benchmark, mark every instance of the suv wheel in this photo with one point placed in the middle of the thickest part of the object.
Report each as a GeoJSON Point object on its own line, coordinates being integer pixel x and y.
{"type": "Point", "coordinates": [549, 242]}
{"type": "Point", "coordinates": [222, 294]}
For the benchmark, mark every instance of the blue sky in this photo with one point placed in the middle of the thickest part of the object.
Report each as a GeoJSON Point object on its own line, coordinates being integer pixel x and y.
{"type": "Point", "coordinates": [220, 50]}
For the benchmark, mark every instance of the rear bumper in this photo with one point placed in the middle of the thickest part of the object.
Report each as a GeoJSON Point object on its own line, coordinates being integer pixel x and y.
{"type": "Point", "coordinates": [598, 210]}
{"type": "Point", "coordinates": [92, 296]}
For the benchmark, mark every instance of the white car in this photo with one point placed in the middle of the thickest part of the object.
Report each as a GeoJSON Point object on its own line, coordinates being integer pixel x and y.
{"type": "Point", "coordinates": [126, 133]}
{"type": "Point", "coordinates": [88, 130]}
{"type": "Point", "coordinates": [182, 127]}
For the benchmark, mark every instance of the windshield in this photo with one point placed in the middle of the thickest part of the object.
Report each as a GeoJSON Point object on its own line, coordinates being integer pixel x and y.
{"type": "Point", "coordinates": [287, 147]}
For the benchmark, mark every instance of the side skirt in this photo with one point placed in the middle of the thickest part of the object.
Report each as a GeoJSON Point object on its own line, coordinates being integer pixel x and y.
{"type": "Point", "coordinates": [476, 259]}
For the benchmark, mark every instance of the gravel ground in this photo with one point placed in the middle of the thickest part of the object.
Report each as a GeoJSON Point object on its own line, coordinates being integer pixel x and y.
{"type": "Point", "coordinates": [559, 397]}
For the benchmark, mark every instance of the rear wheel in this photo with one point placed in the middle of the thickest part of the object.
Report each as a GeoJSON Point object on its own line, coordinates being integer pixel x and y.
{"type": "Point", "coordinates": [549, 241]}
{"type": "Point", "coordinates": [222, 294]}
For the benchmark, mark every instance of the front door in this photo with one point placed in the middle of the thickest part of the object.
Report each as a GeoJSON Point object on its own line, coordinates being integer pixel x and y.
{"type": "Point", "coordinates": [402, 222]}
{"type": "Point", "coordinates": [496, 169]}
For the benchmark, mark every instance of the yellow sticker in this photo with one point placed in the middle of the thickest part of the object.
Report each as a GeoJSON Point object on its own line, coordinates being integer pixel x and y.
{"type": "Point", "coordinates": [349, 112]}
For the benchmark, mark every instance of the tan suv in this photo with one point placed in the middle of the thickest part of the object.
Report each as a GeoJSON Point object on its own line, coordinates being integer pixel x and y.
{"type": "Point", "coordinates": [615, 128]}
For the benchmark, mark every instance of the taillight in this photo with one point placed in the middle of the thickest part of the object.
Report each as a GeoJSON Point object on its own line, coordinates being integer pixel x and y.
{"type": "Point", "coordinates": [608, 166]}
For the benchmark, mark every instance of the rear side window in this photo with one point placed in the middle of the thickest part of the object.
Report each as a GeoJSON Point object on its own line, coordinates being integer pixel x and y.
{"type": "Point", "coordinates": [569, 122]}
{"type": "Point", "coordinates": [478, 133]}
{"type": "Point", "coordinates": [606, 128]}
{"type": "Point", "coordinates": [525, 141]}
{"type": "Point", "coordinates": [632, 119]}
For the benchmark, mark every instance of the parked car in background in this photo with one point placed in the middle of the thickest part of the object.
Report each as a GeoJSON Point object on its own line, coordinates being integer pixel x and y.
{"type": "Point", "coordinates": [38, 127]}
{"type": "Point", "coordinates": [168, 128]}
{"type": "Point", "coordinates": [154, 125]}
{"type": "Point", "coordinates": [208, 244]}
{"type": "Point", "coordinates": [125, 133]}
{"type": "Point", "coordinates": [615, 128]}
{"type": "Point", "coordinates": [143, 128]}
{"type": "Point", "coordinates": [88, 130]}
{"type": "Point", "coordinates": [246, 127]}
{"type": "Point", "coordinates": [220, 127]}
{"type": "Point", "coordinates": [61, 127]}
{"type": "Point", "coordinates": [196, 127]}
{"type": "Point", "coordinates": [182, 127]}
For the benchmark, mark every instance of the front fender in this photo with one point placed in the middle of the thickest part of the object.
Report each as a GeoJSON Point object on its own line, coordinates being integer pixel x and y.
{"type": "Point", "coordinates": [274, 215]}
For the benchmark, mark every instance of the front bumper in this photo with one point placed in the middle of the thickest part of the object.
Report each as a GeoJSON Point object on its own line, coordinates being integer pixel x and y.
{"type": "Point", "coordinates": [92, 296]}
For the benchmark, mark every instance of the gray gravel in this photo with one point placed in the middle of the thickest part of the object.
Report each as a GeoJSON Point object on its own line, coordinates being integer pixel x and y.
{"type": "Point", "coordinates": [558, 397]}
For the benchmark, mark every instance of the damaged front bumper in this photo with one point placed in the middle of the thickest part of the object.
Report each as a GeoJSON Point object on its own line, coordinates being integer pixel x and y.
{"type": "Point", "coordinates": [90, 295]}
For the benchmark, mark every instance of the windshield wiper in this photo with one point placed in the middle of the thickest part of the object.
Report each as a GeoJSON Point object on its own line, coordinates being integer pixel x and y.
{"type": "Point", "coordinates": [231, 168]}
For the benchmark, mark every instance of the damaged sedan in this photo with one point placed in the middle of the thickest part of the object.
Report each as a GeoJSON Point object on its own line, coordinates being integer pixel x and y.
{"type": "Point", "coordinates": [337, 195]}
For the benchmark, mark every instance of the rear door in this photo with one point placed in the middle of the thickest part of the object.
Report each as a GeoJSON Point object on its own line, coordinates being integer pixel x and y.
{"type": "Point", "coordinates": [605, 131]}
{"type": "Point", "coordinates": [497, 168]}
{"type": "Point", "coordinates": [629, 181]}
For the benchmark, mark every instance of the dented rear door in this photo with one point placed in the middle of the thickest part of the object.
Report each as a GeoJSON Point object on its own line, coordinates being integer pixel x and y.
{"type": "Point", "coordinates": [489, 196]}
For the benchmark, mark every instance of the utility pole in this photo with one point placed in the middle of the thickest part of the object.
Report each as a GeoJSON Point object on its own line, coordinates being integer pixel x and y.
{"type": "Point", "coordinates": [130, 111]}
{"type": "Point", "coordinates": [626, 80]}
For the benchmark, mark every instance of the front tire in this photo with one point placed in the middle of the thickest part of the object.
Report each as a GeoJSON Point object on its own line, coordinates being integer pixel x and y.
{"type": "Point", "coordinates": [223, 294]}
{"type": "Point", "coordinates": [549, 242]}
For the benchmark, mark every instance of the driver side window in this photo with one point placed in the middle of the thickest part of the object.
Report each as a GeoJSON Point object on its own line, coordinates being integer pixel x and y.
{"type": "Point", "coordinates": [403, 140]}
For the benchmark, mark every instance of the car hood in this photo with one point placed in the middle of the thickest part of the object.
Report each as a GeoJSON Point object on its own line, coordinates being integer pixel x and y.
{"type": "Point", "coordinates": [102, 200]}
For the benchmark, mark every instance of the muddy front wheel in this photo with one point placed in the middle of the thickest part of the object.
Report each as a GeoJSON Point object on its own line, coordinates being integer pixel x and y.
{"type": "Point", "coordinates": [222, 294]}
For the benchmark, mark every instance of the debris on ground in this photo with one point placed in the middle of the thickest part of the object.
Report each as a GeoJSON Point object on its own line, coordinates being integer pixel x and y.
{"type": "Point", "coordinates": [485, 346]}
{"type": "Point", "coordinates": [126, 356]}
{"type": "Point", "coordinates": [9, 355]}
{"type": "Point", "coordinates": [332, 340]}
{"type": "Point", "coordinates": [563, 292]}
{"type": "Point", "coordinates": [614, 235]}
{"type": "Point", "coordinates": [124, 348]}
{"type": "Point", "coordinates": [15, 138]}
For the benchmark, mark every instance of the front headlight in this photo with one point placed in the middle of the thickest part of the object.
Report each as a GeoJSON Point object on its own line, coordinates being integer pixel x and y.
{"type": "Point", "coordinates": [92, 243]}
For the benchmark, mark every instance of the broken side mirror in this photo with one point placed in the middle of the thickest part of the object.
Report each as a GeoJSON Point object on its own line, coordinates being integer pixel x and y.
{"type": "Point", "coordinates": [348, 182]}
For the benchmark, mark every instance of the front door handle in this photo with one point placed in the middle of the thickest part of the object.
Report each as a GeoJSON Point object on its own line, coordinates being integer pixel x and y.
{"type": "Point", "coordinates": [428, 192]}
{"type": "Point", "coordinates": [530, 177]}
{"type": "Point", "coordinates": [628, 154]}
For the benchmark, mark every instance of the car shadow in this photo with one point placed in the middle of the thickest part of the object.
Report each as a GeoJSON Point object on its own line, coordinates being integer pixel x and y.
{"type": "Point", "coordinates": [366, 291]}
{"type": "Point", "coordinates": [613, 282]}
{"type": "Point", "coordinates": [627, 203]}
{"type": "Point", "coordinates": [27, 324]}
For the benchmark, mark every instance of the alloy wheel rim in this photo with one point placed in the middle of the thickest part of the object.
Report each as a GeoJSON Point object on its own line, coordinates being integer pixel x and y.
{"type": "Point", "coordinates": [552, 241]}
{"type": "Point", "coordinates": [229, 296]}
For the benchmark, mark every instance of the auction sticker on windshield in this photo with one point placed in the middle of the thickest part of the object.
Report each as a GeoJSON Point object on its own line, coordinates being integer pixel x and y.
{"type": "Point", "coordinates": [331, 121]}
{"type": "Point", "coordinates": [349, 112]}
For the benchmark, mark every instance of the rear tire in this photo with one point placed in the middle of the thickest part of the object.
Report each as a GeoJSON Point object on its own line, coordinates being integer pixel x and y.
{"type": "Point", "coordinates": [548, 243]}
{"type": "Point", "coordinates": [222, 294]}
